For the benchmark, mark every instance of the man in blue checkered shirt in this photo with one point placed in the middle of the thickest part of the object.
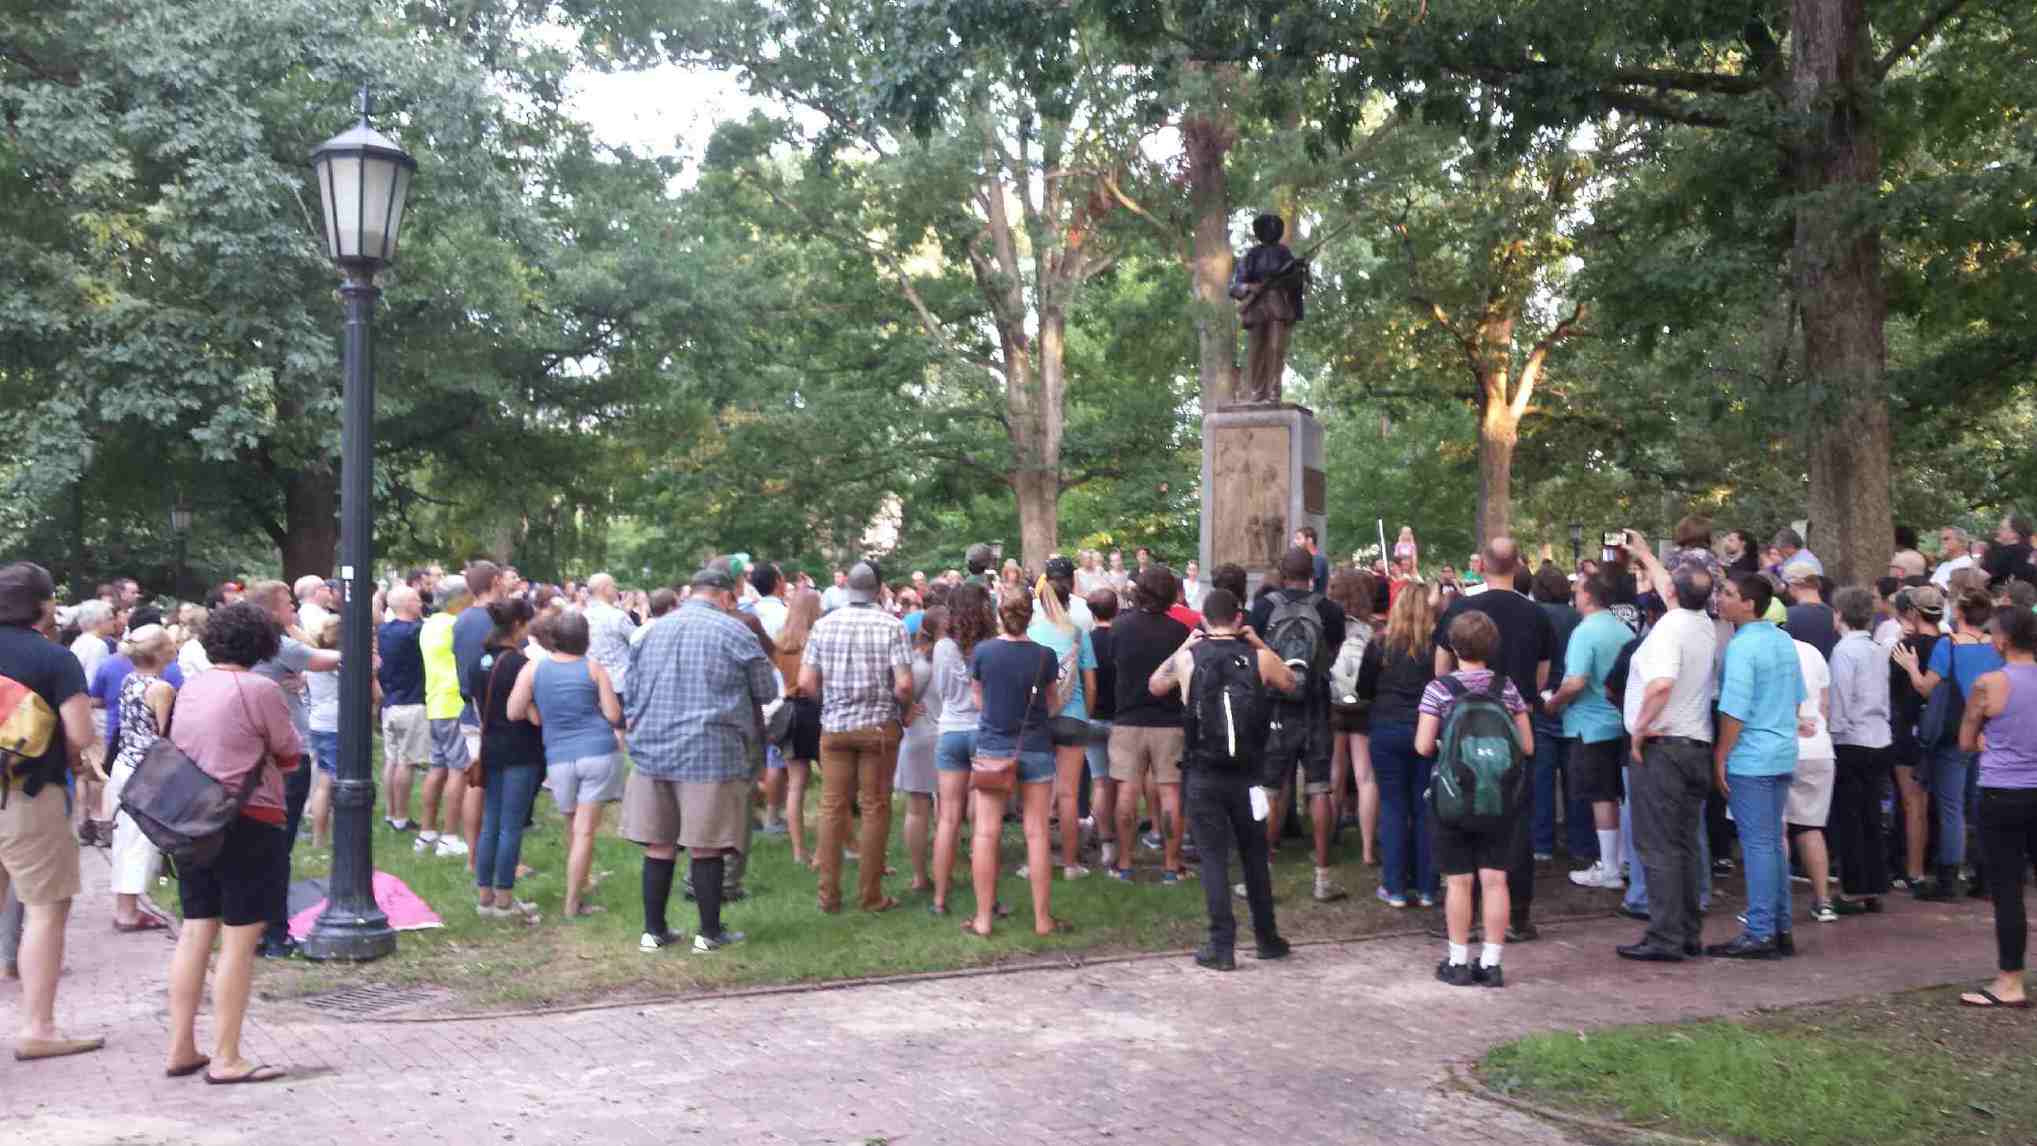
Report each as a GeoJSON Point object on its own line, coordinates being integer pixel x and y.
{"type": "Point", "coordinates": [696, 683]}
{"type": "Point", "coordinates": [858, 661]}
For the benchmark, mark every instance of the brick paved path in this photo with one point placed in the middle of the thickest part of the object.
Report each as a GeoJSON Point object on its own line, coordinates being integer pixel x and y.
{"type": "Point", "coordinates": [1344, 1043]}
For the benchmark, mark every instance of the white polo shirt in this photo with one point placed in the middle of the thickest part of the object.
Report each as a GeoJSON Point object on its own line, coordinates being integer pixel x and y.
{"type": "Point", "coordinates": [1680, 648]}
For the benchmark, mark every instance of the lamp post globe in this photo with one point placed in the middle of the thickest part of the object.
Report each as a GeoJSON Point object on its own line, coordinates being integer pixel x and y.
{"type": "Point", "coordinates": [363, 181]}
{"type": "Point", "coordinates": [1576, 544]}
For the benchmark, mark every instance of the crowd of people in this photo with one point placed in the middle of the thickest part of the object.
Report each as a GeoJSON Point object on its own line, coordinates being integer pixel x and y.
{"type": "Point", "coordinates": [1667, 708]}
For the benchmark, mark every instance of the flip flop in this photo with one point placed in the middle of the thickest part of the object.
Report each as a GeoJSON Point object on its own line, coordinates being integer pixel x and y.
{"type": "Point", "coordinates": [587, 909]}
{"type": "Point", "coordinates": [969, 929]}
{"type": "Point", "coordinates": [253, 1074]}
{"type": "Point", "coordinates": [1992, 1000]}
{"type": "Point", "coordinates": [189, 1068]}
{"type": "Point", "coordinates": [1059, 927]}
{"type": "Point", "coordinates": [885, 905]}
{"type": "Point", "coordinates": [147, 922]}
{"type": "Point", "coordinates": [29, 1050]}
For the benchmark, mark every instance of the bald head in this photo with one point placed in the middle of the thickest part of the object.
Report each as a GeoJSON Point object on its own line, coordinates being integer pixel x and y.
{"type": "Point", "coordinates": [1502, 557]}
{"type": "Point", "coordinates": [602, 586]}
{"type": "Point", "coordinates": [405, 603]}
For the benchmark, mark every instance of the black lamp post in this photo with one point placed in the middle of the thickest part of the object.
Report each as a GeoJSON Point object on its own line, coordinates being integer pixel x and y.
{"type": "Point", "coordinates": [1576, 544]}
{"type": "Point", "coordinates": [363, 178]}
{"type": "Point", "coordinates": [180, 524]}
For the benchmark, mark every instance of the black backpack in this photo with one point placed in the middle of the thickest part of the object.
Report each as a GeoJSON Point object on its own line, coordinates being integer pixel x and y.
{"type": "Point", "coordinates": [1227, 713]}
{"type": "Point", "coordinates": [1479, 774]}
{"type": "Point", "coordinates": [1295, 634]}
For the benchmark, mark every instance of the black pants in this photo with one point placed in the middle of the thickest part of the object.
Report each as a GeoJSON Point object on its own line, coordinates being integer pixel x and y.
{"type": "Point", "coordinates": [1667, 793]}
{"type": "Point", "coordinates": [1219, 807]}
{"type": "Point", "coordinates": [2008, 844]}
{"type": "Point", "coordinates": [1855, 824]}
{"type": "Point", "coordinates": [296, 789]}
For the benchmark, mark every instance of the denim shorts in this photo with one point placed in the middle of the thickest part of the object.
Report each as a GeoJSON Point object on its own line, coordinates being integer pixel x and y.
{"type": "Point", "coordinates": [1097, 751]}
{"type": "Point", "coordinates": [325, 751]}
{"type": "Point", "coordinates": [952, 751]}
{"type": "Point", "coordinates": [1036, 767]}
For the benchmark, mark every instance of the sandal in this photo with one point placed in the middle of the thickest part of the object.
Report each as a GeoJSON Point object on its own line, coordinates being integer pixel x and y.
{"type": "Point", "coordinates": [886, 904]}
{"type": "Point", "coordinates": [1058, 927]}
{"type": "Point", "coordinates": [189, 1068]}
{"type": "Point", "coordinates": [586, 909]}
{"type": "Point", "coordinates": [252, 1074]}
{"type": "Point", "coordinates": [937, 909]}
{"type": "Point", "coordinates": [145, 922]}
{"type": "Point", "coordinates": [969, 928]}
{"type": "Point", "coordinates": [1988, 999]}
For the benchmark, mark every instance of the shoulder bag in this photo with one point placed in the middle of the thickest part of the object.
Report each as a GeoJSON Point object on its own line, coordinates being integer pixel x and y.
{"type": "Point", "coordinates": [183, 809]}
{"type": "Point", "coordinates": [997, 772]}
{"type": "Point", "coordinates": [1945, 708]}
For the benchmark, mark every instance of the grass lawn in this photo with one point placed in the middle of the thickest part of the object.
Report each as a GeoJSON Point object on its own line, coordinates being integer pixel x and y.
{"type": "Point", "coordinates": [1890, 1070]}
{"type": "Point", "coordinates": [494, 964]}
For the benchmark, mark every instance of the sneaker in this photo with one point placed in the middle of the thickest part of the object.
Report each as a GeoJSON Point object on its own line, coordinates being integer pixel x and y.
{"type": "Point", "coordinates": [1455, 974]}
{"type": "Point", "coordinates": [451, 847]}
{"type": "Point", "coordinates": [1174, 878]}
{"type": "Point", "coordinates": [1278, 948]}
{"type": "Point", "coordinates": [403, 825]}
{"type": "Point", "coordinates": [650, 942]}
{"type": "Point", "coordinates": [1523, 933]}
{"type": "Point", "coordinates": [1151, 841]}
{"type": "Point", "coordinates": [1074, 871]}
{"type": "Point", "coordinates": [1391, 900]}
{"type": "Point", "coordinates": [424, 842]}
{"type": "Point", "coordinates": [1821, 910]}
{"type": "Point", "coordinates": [1545, 857]}
{"type": "Point", "coordinates": [1493, 976]}
{"type": "Point", "coordinates": [1121, 874]}
{"type": "Point", "coordinates": [1329, 891]}
{"type": "Point", "coordinates": [1206, 956]}
{"type": "Point", "coordinates": [703, 945]}
{"type": "Point", "coordinates": [1024, 872]}
{"type": "Point", "coordinates": [1109, 855]}
{"type": "Point", "coordinates": [490, 911]}
{"type": "Point", "coordinates": [1427, 901]}
{"type": "Point", "coordinates": [1721, 866]}
{"type": "Point", "coordinates": [775, 828]}
{"type": "Point", "coordinates": [1600, 876]}
{"type": "Point", "coordinates": [1238, 889]}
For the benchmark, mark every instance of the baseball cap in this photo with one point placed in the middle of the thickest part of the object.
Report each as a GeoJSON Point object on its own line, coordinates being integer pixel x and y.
{"type": "Point", "coordinates": [1928, 600]}
{"type": "Point", "coordinates": [1060, 567]}
{"type": "Point", "coordinates": [712, 578]}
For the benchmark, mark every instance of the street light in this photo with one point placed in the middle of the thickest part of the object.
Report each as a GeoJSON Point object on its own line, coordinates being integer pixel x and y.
{"type": "Point", "coordinates": [1576, 544]}
{"type": "Point", "coordinates": [363, 179]}
{"type": "Point", "coordinates": [180, 524]}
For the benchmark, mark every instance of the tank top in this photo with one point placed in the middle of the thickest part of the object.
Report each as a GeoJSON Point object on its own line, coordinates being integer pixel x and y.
{"type": "Point", "coordinates": [569, 702]}
{"type": "Point", "coordinates": [2010, 760]}
{"type": "Point", "coordinates": [137, 722]}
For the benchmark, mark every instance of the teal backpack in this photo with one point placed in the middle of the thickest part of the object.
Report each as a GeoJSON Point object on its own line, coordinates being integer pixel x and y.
{"type": "Point", "coordinates": [1479, 775]}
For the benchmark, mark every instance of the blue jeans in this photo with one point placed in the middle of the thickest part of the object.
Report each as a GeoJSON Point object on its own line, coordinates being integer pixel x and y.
{"type": "Point", "coordinates": [503, 807]}
{"type": "Point", "coordinates": [1637, 872]}
{"type": "Point", "coordinates": [1552, 755]}
{"type": "Point", "coordinates": [1757, 803]}
{"type": "Point", "coordinates": [1404, 840]}
{"type": "Point", "coordinates": [1948, 773]}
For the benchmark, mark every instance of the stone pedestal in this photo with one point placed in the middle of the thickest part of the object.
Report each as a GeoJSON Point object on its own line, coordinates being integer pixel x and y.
{"type": "Point", "coordinates": [1262, 479]}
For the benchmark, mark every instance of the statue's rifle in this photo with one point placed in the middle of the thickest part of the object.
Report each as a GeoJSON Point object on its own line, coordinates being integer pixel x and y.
{"type": "Point", "coordinates": [1298, 266]}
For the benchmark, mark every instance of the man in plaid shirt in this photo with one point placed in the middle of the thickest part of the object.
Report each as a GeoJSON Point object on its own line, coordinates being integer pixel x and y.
{"type": "Point", "coordinates": [858, 661]}
{"type": "Point", "coordinates": [696, 684]}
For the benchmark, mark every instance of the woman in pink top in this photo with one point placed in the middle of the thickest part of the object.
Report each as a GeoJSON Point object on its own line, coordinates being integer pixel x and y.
{"type": "Point", "coordinates": [231, 722]}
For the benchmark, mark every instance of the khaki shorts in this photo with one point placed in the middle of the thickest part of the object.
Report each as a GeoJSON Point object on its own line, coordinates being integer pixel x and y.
{"type": "Point", "coordinates": [689, 814]}
{"type": "Point", "coordinates": [406, 735]}
{"type": "Point", "coordinates": [1810, 794]}
{"type": "Point", "coordinates": [38, 854]}
{"type": "Point", "coordinates": [1135, 751]}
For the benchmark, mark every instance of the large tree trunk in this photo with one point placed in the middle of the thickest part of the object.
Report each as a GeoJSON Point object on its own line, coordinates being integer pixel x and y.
{"type": "Point", "coordinates": [1837, 271]}
{"type": "Point", "coordinates": [311, 523]}
{"type": "Point", "coordinates": [1498, 433]}
{"type": "Point", "coordinates": [1207, 138]}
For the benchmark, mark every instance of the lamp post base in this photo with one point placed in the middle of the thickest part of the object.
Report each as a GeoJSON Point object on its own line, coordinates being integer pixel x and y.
{"type": "Point", "coordinates": [352, 927]}
{"type": "Point", "coordinates": [355, 940]}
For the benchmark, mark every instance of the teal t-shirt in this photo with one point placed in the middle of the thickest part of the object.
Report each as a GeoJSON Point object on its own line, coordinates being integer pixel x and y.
{"type": "Point", "coordinates": [1762, 688]}
{"type": "Point", "coordinates": [1044, 633]}
{"type": "Point", "coordinates": [1594, 645]}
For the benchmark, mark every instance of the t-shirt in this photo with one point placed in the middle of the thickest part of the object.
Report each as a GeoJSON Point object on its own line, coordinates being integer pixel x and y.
{"type": "Point", "coordinates": [1817, 679]}
{"type": "Point", "coordinates": [1012, 672]}
{"type": "Point", "coordinates": [1043, 632]}
{"type": "Point", "coordinates": [770, 610]}
{"type": "Point", "coordinates": [951, 686]}
{"type": "Point", "coordinates": [441, 670]}
{"type": "Point", "coordinates": [1680, 649]}
{"type": "Point", "coordinates": [323, 691]}
{"type": "Point", "coordinates": [1437, 701]}
{"type": "Point", "coordinates": [1526, 636]}
{"type": "Point", "coordinates": [90, 649]}
{"type": "Point", "coordinates": [228, 721]}
{"type": "Point", "coordinates": [1332, 614]}
{"type": "Point", "coordinates": [1321, 581]}
{"type": "Point", "coordinates": [52, 674]}
{"type": "Point", "coordinates": [402, 670]}
{"type": "Point", "coordinates": [1974, 661]}
{"type": "Point", "coordinates": [1762, 688]}
{"type": "Point", "coordinates": [470, 640]}
{"type": "Point", "coordinates": [1104, 705]}
{"type": "Point", "coordinates": [1594, 645]}
{"type": "Point", "coordinates": [1813, 625]}
{"type": "Point", "coordinates": [285, 668]}
{"type": "Point", "coordinates": [1140, 641]}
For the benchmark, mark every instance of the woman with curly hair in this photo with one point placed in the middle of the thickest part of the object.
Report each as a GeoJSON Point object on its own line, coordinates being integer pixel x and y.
{"type": "Point", "coordinates": [970, 622]}
{"type": "Point", "coordinates": [232, 723]}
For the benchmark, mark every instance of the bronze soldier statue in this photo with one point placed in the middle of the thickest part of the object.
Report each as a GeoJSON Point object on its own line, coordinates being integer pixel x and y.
{"type": "Point", "coordinates": [1268, 285]}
